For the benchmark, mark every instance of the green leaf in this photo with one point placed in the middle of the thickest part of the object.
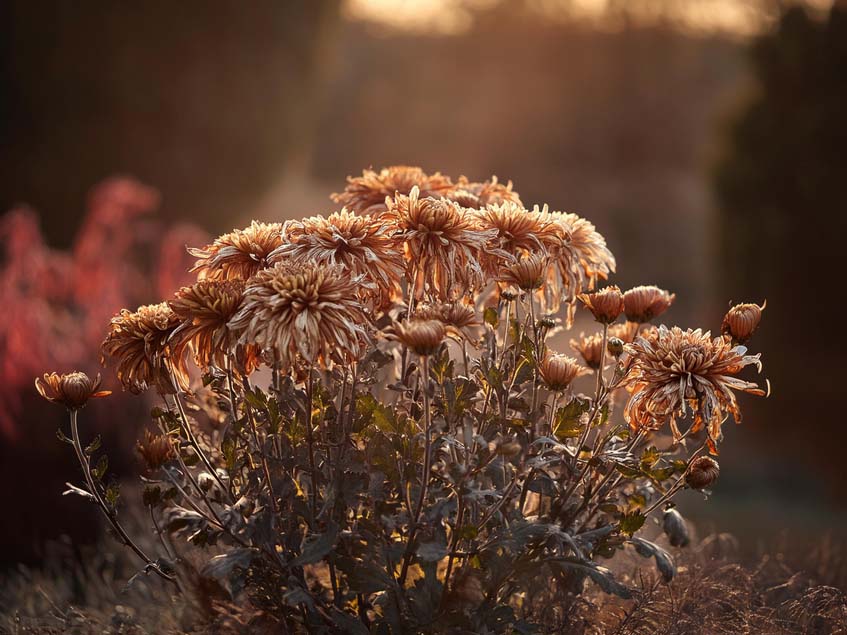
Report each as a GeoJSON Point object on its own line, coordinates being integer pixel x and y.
{"type": "Point", "coordinates": [93, 446]}
{"type": "Point", "coordinates": [632, 522]}
{"type": "Point", "coordinates": [101, 467]}
{"type": "Point", "coordinates": [490, 317]}
{"type": "Point", "coordinates": [316, 547]}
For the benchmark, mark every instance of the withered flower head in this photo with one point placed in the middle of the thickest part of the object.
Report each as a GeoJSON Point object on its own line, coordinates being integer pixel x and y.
{"type": "Point", "coordinates": [741, 321]}
{"type": "Point", "coordinates": [702, 472]}
{"type": "Point", "coordinates": [238, 254]}
{"type": "Point", "coordinates": [605, 305]}
{"type": "Point", "coordinates": [443, 243]}
{"type": "Point", "coordinates": [490, 192]}
{"type": "Point", "coordinates": [642, 304]}
{"type": "Point", "coordinates": [366, 194]}
{"type": "Point", "coordinates": [459, 318]}
{"type": "Point", "coordinates": [204, 310]}
{"type": "Point", "coordinates": [155, 449]}
{"type": "Point", "coordinates": [558, 371]}
{"type": "Point", "coordinates": [362, 244]}
{"type": "Point", "coordinates": [313, 311]}
{"type": "Point", "coordinates": [139, 342]}
{"type": "Point", "coordinates": [517, 232]}
{"type": "Point", "coordinates": [424, 337]}
{"type": "Point", "coordinates": [672, 369]}
{"type": "Point", "coordinates": [527, 273]}
{"type": "Point", "coordinates": [72, 390]}
{"type": "Point", "coordinates": [580, 259]}
{"type": "Point", "coordinates": [590, 346]}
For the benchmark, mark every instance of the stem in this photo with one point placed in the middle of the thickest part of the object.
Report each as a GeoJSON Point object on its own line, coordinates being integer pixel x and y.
{"type": "Point", "coordinates": [259, 446]}
{"type": "Point", "coordinates": [427, 467]}
{"type": "Point", "coordinates": [310, 441]}
{"type": "Point", "coordinates": [104, 507]}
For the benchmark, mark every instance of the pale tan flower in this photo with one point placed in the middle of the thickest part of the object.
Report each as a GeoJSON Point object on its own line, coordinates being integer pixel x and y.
{"type": "Point", "coordinates": [476, 195]}
{"type": "Point", "coordinates": [238, 254]}
{"type": "Point", "coordinates": [605, 305]}
{"type": "Point", "coordinates": [442, 243]}
{"type": "Point", "coordinates": [155, 449]}
{"type": "Point", "coordinates": [558, 371]}
{"type": "Point", "coordinates": [72, 390]}
{"type": "Point", "coordinates": [702, 472]}
{"type": "Point", "coordinates": [366, 194]}
{"type": "Point", "coordinates": [313, 312]}
{"type": "Point", "coordinates": [741, 321]}
{"type": "Point", "coordinates": [363, 244]}
{"type": "Point", "coordinates": [424, 337]}
{"type": "Point", "coordinates": [204, 310]}
{"type": "Point", "coordinates": [527, 273]}
{"type": "Point", "coordinates": [643, 303]}
{"type": "Point", "coordinates": [518, 232]}
{"type": "Point", "coordinates": [671, 370]}
{"type": "Point", "coordinates": [139, 342]}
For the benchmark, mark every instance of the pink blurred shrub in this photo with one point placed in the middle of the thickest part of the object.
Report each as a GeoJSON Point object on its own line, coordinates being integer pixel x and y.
{"type": "Point", "coordinates": [57, 303]}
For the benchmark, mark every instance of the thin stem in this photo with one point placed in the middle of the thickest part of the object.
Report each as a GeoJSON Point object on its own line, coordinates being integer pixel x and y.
{"type": "Point", "coordinates": [310, 441]}
{"type": "Point", "coordinates": [259, 446]}
{"type": "Point", "coordinates": [104, 507]}
{"type": "Point", "coordinates": [427, 468]}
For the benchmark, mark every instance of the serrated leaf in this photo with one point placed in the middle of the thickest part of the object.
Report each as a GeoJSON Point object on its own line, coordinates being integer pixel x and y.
{"type": "Point", "coordinates": [490, 317]}
{"type": "Point", "coordinates": [632, 522]}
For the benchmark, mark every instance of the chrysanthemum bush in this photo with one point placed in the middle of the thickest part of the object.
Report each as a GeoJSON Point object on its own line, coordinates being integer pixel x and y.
{"type": "Point", "coordinates": [363, 427]}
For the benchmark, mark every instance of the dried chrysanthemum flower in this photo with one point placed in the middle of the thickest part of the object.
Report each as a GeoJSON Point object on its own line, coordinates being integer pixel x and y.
{"type": "Point", "coordinates": [605, 305]}
{"type": "Point", "coordinates": [139, 342]}
{"type": "Point", "coordinates": [702, 472]}
{"type": "Point", "coordinates": [238, 254]}
{"type": "Point", "coordinates": [671, 369]}
{"type": "Point", "coordinates": [155, 449]}
{"type": "Point", "coordinates": [460, 319]}
{"type": "Point", "coordinates": [72, 390]}
{"type": "Point", "coordinates": [741, 321]}
{"type": "Point", "coordinates": [580, 259]}
{"type": "Point", "coordinates": [366, 194]}
{"type": "Point", "coordinates": [423, 337]}
{"type": "Point", "coordinates": [590, 346]}
{"type": "Point", "coordinates": [558, 371]}
{"type": "Point", "coordinates": [643, 303]}
{"type": "Point", "coordinates": [299, 309]}
{"type": "Point", "coordinates": [363, 244]}
{"type": "Point", "coordinates": [527, 273]}
{"type": "Point", "coordinates": [204, 310]}
{"type": "Point", "coordinates": [490, 192]}
{"type": "Point", "coordinates": [442, 243]}
{"type": "Point", "coordinates": [518, 232]}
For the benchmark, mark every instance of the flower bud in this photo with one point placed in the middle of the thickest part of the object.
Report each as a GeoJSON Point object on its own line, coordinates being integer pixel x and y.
{"type": "Point", "coordinates": [615, 347]}
{"type": "Point", "coordinates": [72, 390]}
{"type": "Point", "coordinates": [675, 528]}
{"type": "Point", "coordinates": [527, 273]}
{"type": "Point", "coordinates": [741, 321]}
{"type": "Point", "coordinates": [702, 472]}
{"type": "Point", "coordinates": [605, 305]}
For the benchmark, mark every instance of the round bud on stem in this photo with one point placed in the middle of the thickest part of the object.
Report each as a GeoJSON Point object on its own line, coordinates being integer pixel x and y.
{"type": "Point", "coordinates": [615, 347]}
{"type": "Point", "coordinates": [741, 321]}
{"type": "Point", "coordinates": [702, 472]}
{"type": "Point", "coordinates": [72, 390]}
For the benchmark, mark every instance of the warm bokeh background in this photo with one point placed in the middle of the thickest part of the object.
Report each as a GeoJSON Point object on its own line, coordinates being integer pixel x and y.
{"type": "Point", "coordinates": [704, 138]}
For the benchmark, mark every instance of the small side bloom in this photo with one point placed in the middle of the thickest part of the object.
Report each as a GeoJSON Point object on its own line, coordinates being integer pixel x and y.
{"type": "Point", "coordinates": [558, 371]}
{"type": "Point", "coordinates": [605, 305]}
{"type": "Point", "coordinates": [423, 337]}
{"type": "Point", "coordinates": [367, 194]}
{"type": "Point", "coordinates": [239, 254]}
{"type": "Point", "coordinates": [643, 303]}
{"type": "Point", "coordinates": [72, 390]}
{"type": "Point", "coordinates": [741, 321]}
{"type": "Point", "coordinates": [155, 449]}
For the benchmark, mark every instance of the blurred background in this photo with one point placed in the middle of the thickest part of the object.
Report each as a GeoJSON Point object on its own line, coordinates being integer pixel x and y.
{"type": "Point", "coordinates": [706, 140]}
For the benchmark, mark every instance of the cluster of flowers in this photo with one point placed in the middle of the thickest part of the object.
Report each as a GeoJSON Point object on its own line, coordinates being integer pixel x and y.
{"type": "Point", "coordinates": [415, 268]}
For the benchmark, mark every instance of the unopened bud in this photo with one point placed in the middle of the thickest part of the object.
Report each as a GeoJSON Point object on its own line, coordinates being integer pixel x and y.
{"type": "Point", "coordinates": [615, 346]}
{"type": "Point", "coordinates": [702, 472]}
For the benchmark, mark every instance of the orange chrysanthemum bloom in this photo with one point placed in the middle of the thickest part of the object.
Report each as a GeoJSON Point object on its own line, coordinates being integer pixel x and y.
{"type": "Point", "coordinates": [442, 243]}
{"type": "Point", "coordinates": [518, 232]}
{"type": "Point", "coordinates": [310, 311]}
{"type": "Point", "coordinates": [478, 195]}
{"type": "Point", "coordinates": [363, 244]}
{"type": "Point", "coordinates": [643, 303]}
{"type": "Point", "coordinates": [239, 254]}
{"type": "Point", "coordinates": [155, 449]}
{"type": "Point", "coordinates": [204, 310]}
{"type": "Point", "coordinates": [72, 390]}
{"type": "Point", "coordinates": [741, 321]}
{"type": "Point", "coordinates": [558, 371]}
{"type": "Point", "coordinates": [526, 273]}
{"type": "Point", "coordinates": [367, 194]}
{"type": "Point", "coordinates": [605, 305]}
{"type": "Point", "coordinates": [671, 370]}
{"type": "Point", "coordinates": [139, 342]}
